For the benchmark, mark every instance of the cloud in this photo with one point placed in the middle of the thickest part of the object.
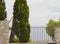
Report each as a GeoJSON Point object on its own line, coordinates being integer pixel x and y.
{"type": "Point", "coordinates": [40, 11]}
{"type": "Point", "coordinates": [53, 5]}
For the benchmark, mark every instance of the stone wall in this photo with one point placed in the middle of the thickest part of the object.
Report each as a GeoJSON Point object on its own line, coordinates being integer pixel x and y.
{"type": "Point", "coordinates": [4, 32]}
{"type": "Point", "coordinates": [57, 35]}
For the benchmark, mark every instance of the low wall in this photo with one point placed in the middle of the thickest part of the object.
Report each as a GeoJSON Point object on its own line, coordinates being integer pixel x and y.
{"type": "Point", "coordinates": [4, 32]}
{"type": "Point", "coordinates": [57, 35]}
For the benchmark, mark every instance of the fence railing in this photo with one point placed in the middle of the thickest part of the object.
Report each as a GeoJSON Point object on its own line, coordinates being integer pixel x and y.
{"type": "Point", "coordinates": [39, 34]}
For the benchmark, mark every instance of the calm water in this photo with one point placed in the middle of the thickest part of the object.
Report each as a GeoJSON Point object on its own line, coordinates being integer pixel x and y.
{"type": "Point", "coordinates": [38, 34]}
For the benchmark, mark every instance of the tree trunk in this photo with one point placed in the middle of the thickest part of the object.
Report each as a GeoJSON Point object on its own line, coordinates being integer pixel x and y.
{"type": "Point", "coordinates": [11, 40]}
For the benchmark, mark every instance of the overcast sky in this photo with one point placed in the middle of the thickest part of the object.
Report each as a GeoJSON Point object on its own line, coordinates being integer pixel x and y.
{"type": "Point", "coordinates": [41, 11]}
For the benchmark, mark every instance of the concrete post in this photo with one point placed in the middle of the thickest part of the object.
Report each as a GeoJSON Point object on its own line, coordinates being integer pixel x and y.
{"type": "Point", "coordinates": [57, 35]}
{"type": "Point", "coordinates": [4, 31]}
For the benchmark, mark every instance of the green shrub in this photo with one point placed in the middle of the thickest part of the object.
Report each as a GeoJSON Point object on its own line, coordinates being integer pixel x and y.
{"type": "Point", "coordinates": [29, 40]}
{"type": "Point", "coordinates": [16, 39]}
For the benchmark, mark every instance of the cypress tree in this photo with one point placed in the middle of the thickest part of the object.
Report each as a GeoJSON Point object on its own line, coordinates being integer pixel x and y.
{"type": "Point", "coordinates": [21, 27]}
{"type": "Point", "coordinates": [2, 10]}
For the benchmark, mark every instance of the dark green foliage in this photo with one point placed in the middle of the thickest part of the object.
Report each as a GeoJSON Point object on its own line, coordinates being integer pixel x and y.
{"type": "Point", "coordinates": [2, 10]}
{"type": "Point", "coordinates": [21, 25]}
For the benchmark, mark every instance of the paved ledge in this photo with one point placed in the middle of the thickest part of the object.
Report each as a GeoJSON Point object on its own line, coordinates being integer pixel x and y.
{"type": "Point", "coordinates": [44, 42]}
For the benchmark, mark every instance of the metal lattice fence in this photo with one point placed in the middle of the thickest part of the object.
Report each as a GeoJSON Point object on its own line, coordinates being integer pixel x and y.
{"type": "Point", "coordinates": [39, 34]}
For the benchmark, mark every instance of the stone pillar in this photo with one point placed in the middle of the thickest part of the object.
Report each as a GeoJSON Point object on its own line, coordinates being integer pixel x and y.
{"type": "Point", "coordinates": [57, 35]}
{"type": "Point", "coordinates": [4, 31]}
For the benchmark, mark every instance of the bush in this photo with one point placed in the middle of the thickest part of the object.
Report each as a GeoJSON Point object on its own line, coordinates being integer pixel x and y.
{"type": "Point", "coordinates": [29, 40]}
{"type": "Point", "coordinates": [17, 40]}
